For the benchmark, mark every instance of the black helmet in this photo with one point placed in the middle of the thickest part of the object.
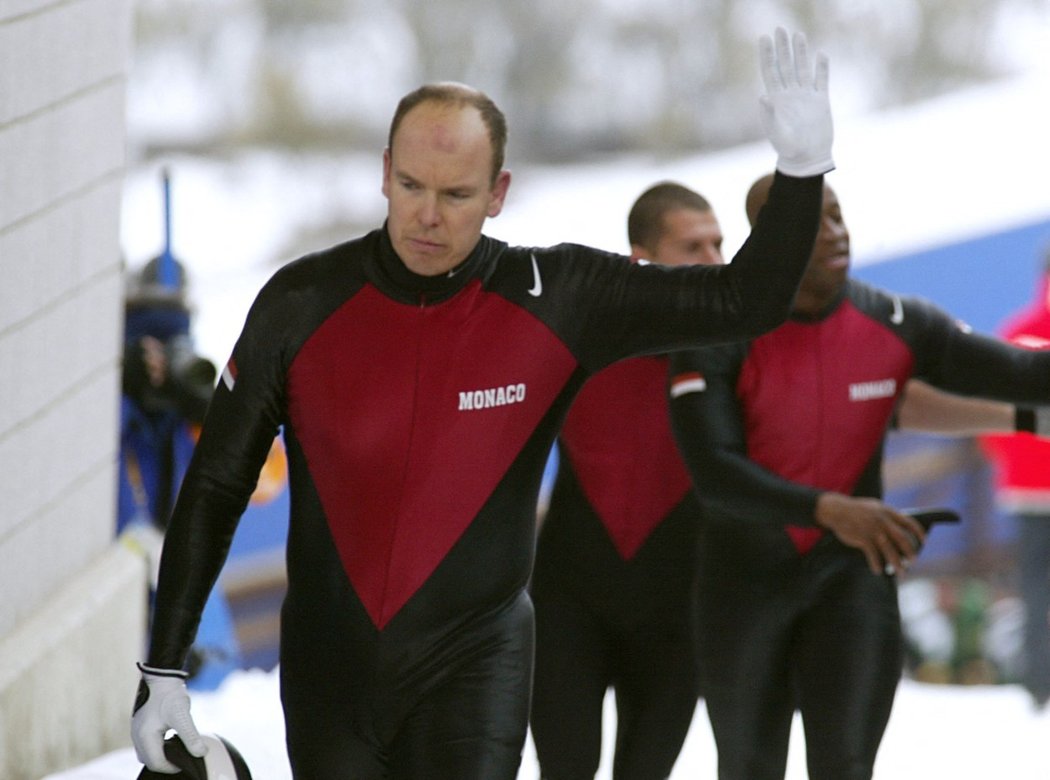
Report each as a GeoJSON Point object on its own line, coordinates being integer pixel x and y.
{"type": "Point", "coordinates": [222, 761]}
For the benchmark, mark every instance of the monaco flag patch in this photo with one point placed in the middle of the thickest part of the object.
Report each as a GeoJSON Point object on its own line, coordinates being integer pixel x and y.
{"type": "Point", "coordinates": [229, 375]}
{"type": "Point", "coordinates": [688, 382]}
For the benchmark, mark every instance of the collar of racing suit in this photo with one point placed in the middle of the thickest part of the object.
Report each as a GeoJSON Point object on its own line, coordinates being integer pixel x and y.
{"type": "Point", "coordinates": [394, 278]}
{"type": "Point", "coordinates": [824, 313]}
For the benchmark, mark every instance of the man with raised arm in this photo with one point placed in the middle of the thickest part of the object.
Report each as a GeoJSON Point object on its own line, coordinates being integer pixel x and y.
{"type": "Point", "coordinates": [420, 374]}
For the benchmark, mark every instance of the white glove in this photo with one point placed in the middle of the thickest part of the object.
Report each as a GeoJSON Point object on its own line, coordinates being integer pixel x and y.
{"type": "Point", "coordinates": [163, 703]}
{"type": "Point", "coordinates": [796, 110]}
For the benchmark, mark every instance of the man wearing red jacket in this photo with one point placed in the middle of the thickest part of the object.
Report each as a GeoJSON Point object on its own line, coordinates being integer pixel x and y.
{"type": "Point", "coordinates": [1023, 490]}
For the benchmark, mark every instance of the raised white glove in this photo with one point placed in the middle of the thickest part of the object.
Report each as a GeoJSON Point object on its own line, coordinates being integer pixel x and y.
{"type": "Point", "coordinates": [163, 703]}
{"type": "Point", "coordinates": [796, 110]}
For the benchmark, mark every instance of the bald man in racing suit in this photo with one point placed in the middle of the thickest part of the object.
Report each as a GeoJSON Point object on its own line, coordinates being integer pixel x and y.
{"type": "Point", "coordinates": [420, 374]}
{"type": "Point", "coordinates": [783, 438]}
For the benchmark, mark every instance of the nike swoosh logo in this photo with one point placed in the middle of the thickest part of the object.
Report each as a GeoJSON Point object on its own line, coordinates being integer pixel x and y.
{"type": "Point", "coordinates": [897, 317]}
{"type": "Point", "coordinates": [537, 284]}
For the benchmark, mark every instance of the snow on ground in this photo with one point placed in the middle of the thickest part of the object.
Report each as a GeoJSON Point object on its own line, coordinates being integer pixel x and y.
{"type": "Point", "coordinates": [936, 731]}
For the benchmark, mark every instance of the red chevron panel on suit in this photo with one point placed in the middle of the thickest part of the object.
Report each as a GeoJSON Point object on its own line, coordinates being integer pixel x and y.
{"type": "Point", "coordinates": [623, 453]}
{"type": "Point", "coordinates": [395, 506]}
{"type": "Point", "coordinates": [810, 415]}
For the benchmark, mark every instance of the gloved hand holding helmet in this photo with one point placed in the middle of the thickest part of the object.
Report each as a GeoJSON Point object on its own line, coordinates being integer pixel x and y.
{"type": "Point", "coordinates": [163, 704]}
{"type": "Point", "coordinates": [221, 762]}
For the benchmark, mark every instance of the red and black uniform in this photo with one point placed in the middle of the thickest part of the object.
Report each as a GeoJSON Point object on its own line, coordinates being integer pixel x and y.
{"type": "Point", "coordinates": [612, 585]}
{"type": "Point", "coordinates": [788, 614]}
{"type": "Point", "coordinates": [418, 414]}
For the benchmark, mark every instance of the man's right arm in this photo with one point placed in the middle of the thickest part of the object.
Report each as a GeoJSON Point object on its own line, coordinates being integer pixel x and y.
{"type": "Point", "coordinates": [708, 424]}
{"type": "Point", "coordinates": [236, 437]}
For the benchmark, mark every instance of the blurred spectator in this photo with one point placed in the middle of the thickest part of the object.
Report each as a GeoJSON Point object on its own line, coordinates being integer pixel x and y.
{"type": "Point", "coordinates": [166, 388]}
{"type": "Point", "coordinates": [1023, 492]}
{"type": "Point", "coordinates": [960, 629]}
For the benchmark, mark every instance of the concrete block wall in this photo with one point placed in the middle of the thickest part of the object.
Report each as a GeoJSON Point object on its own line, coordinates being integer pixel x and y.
{"type": "Point", "coordinates": [72, 605]}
